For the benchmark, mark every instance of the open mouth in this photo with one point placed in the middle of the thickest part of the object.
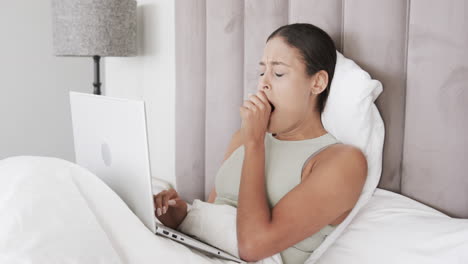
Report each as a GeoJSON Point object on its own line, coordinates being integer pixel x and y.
{"type": "Point", "coordinates": [272, 107]}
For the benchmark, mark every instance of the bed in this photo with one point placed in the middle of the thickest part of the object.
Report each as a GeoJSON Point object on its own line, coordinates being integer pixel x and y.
{"type": "Point", "coordinates": [55, 211]}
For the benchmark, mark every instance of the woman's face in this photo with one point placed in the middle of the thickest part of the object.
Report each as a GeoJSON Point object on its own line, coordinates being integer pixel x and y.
{"type": "Point", "coordinates": [283, 77]}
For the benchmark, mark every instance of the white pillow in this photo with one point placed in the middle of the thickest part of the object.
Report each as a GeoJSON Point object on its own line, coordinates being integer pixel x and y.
{"type": "Point", "coordinates": [352, 117]}
{"type": "Point", "coordinates": [392, 228]}
{"type": "Point", "coordinates": [215, 224]}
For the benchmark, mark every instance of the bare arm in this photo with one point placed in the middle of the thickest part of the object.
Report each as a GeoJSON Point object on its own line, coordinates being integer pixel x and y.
{"type": "Point", "coordinates": [331, 188]}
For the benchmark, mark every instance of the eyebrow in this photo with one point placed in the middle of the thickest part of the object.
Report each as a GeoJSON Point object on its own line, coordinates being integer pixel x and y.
{"type": "Point", "coordinates": [274, 63]}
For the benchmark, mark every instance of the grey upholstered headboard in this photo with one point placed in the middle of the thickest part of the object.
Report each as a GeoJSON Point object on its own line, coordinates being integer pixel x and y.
{"type": "Point", "coordinates": [417, 49]}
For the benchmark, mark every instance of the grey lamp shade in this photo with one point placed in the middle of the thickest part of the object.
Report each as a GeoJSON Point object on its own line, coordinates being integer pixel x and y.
{"type": "Point", "coordinates": [94, 27]}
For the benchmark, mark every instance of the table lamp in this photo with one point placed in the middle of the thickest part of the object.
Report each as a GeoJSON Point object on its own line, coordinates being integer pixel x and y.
{"type": "Point", "coordinates": [94, 28]}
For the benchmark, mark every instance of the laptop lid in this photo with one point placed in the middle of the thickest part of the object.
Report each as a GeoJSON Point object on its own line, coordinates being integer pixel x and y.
{"type": "Point", "coordinates": [110, 140]}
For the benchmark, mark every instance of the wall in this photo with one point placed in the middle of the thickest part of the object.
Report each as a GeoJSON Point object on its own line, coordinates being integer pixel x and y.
{"type": "Point", "coordinates": [34, 103]}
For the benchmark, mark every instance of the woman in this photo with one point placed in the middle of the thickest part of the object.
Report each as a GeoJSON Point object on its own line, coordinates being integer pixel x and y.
{"type": "Point", "coordinates": [291, 181]}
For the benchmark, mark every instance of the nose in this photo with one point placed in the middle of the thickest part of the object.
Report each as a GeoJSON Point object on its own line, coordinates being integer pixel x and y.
{"type": "Point", "coordinates": [264, 84]}
{"type": "Point", "coordinates": [265, 87]}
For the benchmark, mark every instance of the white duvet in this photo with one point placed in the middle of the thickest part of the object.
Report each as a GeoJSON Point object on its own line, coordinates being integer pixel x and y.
{"type": "Point", "coordinates": [53, 211]}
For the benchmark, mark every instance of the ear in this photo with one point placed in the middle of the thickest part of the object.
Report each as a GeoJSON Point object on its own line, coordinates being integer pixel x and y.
{"type": "Point", "coordinates": [319, 82]}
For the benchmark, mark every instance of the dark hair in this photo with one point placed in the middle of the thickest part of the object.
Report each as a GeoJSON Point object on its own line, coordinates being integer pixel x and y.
{"type": "Point", "coordinates": [317, 49]}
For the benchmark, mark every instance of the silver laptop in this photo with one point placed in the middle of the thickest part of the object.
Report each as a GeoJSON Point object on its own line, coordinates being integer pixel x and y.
{"type": "Point", "coordinates": [110, 138]}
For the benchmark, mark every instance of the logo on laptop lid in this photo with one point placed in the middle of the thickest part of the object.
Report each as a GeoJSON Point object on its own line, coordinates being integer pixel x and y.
{"type": "Point", "coordinates": [106, 154]}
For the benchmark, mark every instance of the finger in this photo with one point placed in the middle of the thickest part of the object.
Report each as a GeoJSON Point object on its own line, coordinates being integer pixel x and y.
{"type": "Point", "coordinates": [172, 193]}
{"type": "Point", "coordinates": [158, 203]}
{"type": "Point", "coordinates": [249, 104]}
{"type": "Point", "coordinates": [172, 202]}
{"type": "Point", "coordinates": [261, 94]}
{"type": "Point", "coordinates": [159, 200]}
{"type": "Point", "coordinates": [164, 204]}
{"type": "Point", "coordinates": [259, 103]}
{"type": "Point", "coordinates": [176, 203]}
{"type": "Point", "coordinates": [243, 109]}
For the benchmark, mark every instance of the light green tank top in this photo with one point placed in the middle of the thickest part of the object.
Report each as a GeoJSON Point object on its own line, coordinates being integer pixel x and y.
{"type": "Point", "coordinates": [283, 169]}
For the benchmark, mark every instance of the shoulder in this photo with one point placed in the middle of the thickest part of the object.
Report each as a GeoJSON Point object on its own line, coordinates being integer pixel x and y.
{"type": "Point", "coordinates": [344, 156]}
{"type": "Point", "coordinates": [346, 151]}
{"type": "Point", "coordinates": [339, 154]}
{"type": "Point", "coordinates": [342, 162]}
{"type": "Point", "coordinates": [350, 153]}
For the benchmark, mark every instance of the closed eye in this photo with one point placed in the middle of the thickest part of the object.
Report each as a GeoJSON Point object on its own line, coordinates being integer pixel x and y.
{"type": "Point", "coordinates": [277, 75]}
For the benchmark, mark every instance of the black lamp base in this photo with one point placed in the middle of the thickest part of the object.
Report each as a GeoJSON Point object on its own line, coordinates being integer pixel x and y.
{"type": "Point", "coordinates": [97, 83]}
